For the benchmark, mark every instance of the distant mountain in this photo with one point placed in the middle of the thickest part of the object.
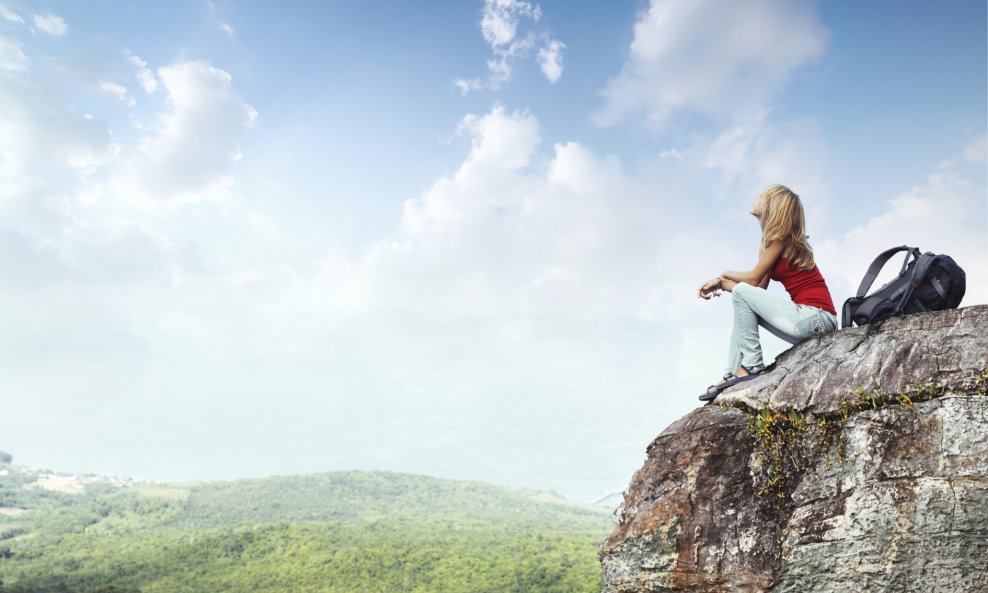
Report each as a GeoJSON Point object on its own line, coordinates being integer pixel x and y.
{"type": "Point", "coordinates": [340, 531]}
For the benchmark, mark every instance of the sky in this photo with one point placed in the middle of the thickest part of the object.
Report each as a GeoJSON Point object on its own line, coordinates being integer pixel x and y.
{"type": "Point", "coordinates": [460, 239]}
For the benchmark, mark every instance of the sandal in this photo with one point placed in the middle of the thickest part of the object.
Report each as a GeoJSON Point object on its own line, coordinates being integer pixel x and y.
{"type": "Point", "coordinates": [730, 379]}
{"type": "Point", "coordinates": [716, 388]}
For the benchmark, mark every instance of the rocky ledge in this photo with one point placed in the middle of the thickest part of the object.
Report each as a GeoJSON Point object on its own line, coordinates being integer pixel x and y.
{"type": "Point", "coordinates": [859, 463]}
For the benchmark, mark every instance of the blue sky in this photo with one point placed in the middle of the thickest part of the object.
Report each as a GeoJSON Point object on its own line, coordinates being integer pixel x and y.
{"type": "Point", "coordinates": [452, 238]}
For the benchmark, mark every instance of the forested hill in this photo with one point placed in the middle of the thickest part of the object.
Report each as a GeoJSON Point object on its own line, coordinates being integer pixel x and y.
{"type": "Point", "coordinates": [352, 496]}
{"type": "Point", "coordinates": [342, 531]}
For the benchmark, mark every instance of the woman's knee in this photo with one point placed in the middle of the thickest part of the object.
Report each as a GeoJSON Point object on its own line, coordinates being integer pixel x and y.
{"type": "Point", "coordinates": [739, 294]}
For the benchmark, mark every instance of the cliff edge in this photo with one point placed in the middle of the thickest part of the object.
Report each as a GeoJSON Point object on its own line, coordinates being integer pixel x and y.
{"type": "Point", "coordinates": [860, 463]}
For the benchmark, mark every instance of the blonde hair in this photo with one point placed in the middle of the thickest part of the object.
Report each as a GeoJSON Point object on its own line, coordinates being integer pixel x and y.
{"type": "Point", "coordinates": [783, 220]}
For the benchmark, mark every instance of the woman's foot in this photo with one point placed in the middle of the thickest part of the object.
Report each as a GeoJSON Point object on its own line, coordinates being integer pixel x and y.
{"type": "Point", "coordinates": [742, 371]}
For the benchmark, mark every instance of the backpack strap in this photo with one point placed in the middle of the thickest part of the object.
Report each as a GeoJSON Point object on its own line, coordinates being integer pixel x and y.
{"type": "Point", "coordinates": [877, 265]}
{"type": "Point", "coordinates": [919, 272]}
{"type": "Point", "coordinates": [922, 267]}
{"type": "Point", "coordinates": [845, 314]}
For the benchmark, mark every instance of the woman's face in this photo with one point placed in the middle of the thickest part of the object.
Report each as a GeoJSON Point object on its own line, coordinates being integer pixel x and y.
{"type": "Point", "coordinates": [758, 208]}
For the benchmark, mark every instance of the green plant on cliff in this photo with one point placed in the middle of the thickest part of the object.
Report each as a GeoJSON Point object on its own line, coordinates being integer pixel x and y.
{"type": "Point", "coordinates": [788, 444]}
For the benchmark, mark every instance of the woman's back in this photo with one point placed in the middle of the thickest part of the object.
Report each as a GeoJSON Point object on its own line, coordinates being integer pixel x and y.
{"type": "Point", "coordinates": [805, 287]}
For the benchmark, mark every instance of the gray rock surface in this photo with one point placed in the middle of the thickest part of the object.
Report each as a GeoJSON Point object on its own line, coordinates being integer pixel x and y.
{"type": "Point", "coordinates": [948, 346]}
{"type": "Point", "coordinates": [876, 491]}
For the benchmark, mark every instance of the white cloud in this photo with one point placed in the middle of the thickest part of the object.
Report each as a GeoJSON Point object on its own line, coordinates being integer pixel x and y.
{"type": "Point", "coordinates": [119, 91]}
{"type": "Point", "coordinates": [550, 59]}
{"type": "Point", "coordinates": [10, 15]}
{"type": "Point", "coordinates": [51, 24]}
{"type": "Point", "coordinates": [106, 211]}
{"type": "Point", "coordinates": [195, 143]}
{"type": "Point", "coordinates": [11, 55]}
{"type": "Point", "coordinates": [148, 82]}
{"type": "Point", "coordinates": [42, 139]}
{"type": "Point", "coordinates": [714, 57]}
{"type": "Point", "coordinates": [227, 29]}
{"type": "Point", "coordinates": [103, 213]}
{"type": "Point", "coordinates": [500, 26]}
{"type": "Point", "coordinates": [946, 215]}
{"type": "Point", "coordinates": [510, 232]}
{"type": "Point", "coordinates": [977, 152]}
{"type": "Point", "coordinates": [671, 154]}
{"type": "Point", "coordinates": [502, 145]}
{"type": "Point", "coordinates": [466, 86]}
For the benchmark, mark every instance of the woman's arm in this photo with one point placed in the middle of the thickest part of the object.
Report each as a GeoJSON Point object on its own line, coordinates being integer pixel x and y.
{"type": "Point", "coordinates": [758, 276]}
{"type": "Point", "coordinates": [763, 283]}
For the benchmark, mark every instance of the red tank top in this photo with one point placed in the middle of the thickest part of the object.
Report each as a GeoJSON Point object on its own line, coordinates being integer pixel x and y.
{"type": "Point", "coordinates": [806, 287]}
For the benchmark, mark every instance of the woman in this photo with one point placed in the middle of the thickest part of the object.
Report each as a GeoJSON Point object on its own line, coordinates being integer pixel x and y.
{"type": "Point", "coordinates": [786, 257]}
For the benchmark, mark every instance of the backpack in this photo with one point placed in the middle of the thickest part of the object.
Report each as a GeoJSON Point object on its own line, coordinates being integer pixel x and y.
{"type": "Point", "coordinates": [926, 282]}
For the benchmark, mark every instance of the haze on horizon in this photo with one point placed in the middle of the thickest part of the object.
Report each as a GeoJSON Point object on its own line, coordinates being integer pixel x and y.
{"type": "Point", "coordinates": [459, 239]}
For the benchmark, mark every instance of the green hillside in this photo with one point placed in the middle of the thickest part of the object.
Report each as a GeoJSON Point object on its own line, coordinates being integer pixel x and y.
{"type": "Point", "coordinates": [354, 496]}
{"type": "Point", "coordinates": [333, 532]}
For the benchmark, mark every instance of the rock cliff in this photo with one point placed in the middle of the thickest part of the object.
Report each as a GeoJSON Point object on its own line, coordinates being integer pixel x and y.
{"type": "Point", "coordinates": [860, 463]}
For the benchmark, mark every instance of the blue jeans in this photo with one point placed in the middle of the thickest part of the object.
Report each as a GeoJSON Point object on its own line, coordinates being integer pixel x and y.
{"type": "Point", "coordinates": [793, 323]}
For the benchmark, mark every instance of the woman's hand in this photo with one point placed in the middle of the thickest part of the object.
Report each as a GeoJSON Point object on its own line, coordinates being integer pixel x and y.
{"type": "Point", "coordinates": [709, 288]}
